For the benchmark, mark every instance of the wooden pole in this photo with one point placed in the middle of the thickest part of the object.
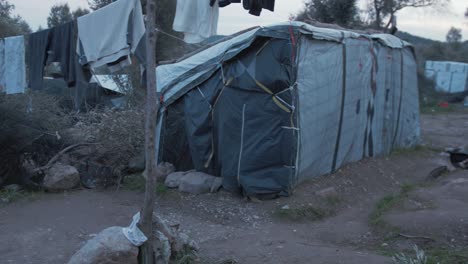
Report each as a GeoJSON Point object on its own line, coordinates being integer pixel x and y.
{"type": "Point", "coordinates": [152, 107]}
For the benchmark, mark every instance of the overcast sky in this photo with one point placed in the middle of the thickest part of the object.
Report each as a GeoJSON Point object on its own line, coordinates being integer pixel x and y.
{"type": "Point", "coordinates": [422, 22]}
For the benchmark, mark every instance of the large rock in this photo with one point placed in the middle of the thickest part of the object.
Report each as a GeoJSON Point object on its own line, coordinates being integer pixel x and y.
{"type": "Point", "coordinates": [61, 177]}
{"type": "Point", "coordinates": [108, 247]}
{"type": "Point", "coordinates": [196, 182]}
{"type": "Point", "coordinates": [173, 179]}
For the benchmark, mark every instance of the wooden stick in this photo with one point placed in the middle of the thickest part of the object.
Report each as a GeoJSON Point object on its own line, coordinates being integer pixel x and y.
{"type": "Point", "coordinates": [56, 157]}
{"type": "Point", "coordinates": [415, 237]}
{"type": "Point", "coordinates": [152, 108]}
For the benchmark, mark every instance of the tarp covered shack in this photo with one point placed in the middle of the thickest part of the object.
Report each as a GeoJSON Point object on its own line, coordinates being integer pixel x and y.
{"type": "Point", "coordinates": [274, 106]}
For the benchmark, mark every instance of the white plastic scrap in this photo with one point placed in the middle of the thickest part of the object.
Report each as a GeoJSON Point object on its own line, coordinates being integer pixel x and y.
{"type": "Point", "coordinates": [133, 233]}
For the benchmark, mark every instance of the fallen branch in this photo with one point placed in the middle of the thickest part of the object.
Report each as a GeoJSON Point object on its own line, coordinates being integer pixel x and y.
{"type": "Point", "coordinates": [56, 157]}
{"type": "Point", "coordinates": [416, 237]}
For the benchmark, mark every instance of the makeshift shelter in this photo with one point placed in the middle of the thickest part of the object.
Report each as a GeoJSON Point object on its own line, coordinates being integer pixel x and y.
{"type": "Point", "coordinates": [273, 106]}
{"type": "Point", "coordinates": [449, 76]}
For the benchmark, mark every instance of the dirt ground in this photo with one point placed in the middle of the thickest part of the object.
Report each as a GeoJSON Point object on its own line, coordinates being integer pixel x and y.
{"type": "Point", "coordinates": [379, 207]}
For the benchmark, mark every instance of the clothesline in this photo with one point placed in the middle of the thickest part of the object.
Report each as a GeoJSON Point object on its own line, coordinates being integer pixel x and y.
{"type": "Point", "coordinates": [175, 37]}
{"type": "Point", "coordinates": [79, 46]}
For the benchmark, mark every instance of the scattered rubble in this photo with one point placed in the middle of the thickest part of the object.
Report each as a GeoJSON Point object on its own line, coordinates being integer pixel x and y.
{"type": "Point", "coordinates": [61, 177]}
{"type": "Point", "coordinates": [169, 235]}
{"type": "Point", "coordinates": [108, 247]}
{"type": "Point", "coordinates": [111, 246]}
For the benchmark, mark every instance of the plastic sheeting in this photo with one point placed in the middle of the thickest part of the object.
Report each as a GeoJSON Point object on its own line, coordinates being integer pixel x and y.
{"type": "Point", "coordinates": [12, 64]}
{"type": "Point", "coordinates": [357, 99]}
{"type": "Point", "coordinates": [449, 76]}
{"type": "Point", "coordinates": [275, 106]}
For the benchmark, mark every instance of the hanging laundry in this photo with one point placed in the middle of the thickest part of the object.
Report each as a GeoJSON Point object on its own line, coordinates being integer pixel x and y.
{"type": "Point", "coordinates": [196, 19]}
{"type": "Point", "coordinates": [110, 34]}
{"type": "Point", "coordinates": [255, 6]}
{"type": "Point", "coordinates": [223, 3]}
{"type": "Point", "coordinates": [62, 49]}
{"type": "Point", "coordinates": [37, 55]}
{"type": "Point", "coordinates": [12, 65]}
{"type": "Point", "coordinates": [2, 66]}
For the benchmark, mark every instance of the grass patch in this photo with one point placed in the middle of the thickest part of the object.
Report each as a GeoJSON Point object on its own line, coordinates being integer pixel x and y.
{"type": "Point", "coordinates": [137, 183]}
{"type": "Point", "coordinates": [186, 256]}
{"type": "Point", "coordinates": [447, 256]}
{"type": "Point", "coordinates": [430, 256]}
{"type": "Point", "coordinates": [161, 188]}
{"type": "Point", "coordinates": [303, 213]}
{"type": "Point", "coordinates": [435, 109]}
{"type": "Point", "coordinates": [10, 196]}
{"type": "Point", "coordinates": [389, 202]}
{"type": "Point", "coordinates": [415, 149]}
{"type": "Point", "coordinates": [333, 200]}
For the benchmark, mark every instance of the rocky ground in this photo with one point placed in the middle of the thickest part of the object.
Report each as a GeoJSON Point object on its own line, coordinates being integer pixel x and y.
{"type": "Point", "coordinates": [364, 213]}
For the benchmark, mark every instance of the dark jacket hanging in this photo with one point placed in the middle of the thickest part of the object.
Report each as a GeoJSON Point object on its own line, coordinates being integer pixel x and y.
{"type": "Point", "coordinates": [255, 6]}
{"type": "Point", "coordinates": [38, 43]}
{"type": "Point", "coordinates": [62, 49]}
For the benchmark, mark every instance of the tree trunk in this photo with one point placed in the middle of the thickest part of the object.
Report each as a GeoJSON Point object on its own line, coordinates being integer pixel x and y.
{"type": "Point", "coordinates": [378, 18]}
{"type": "Point", "coordinates": [152, 107]}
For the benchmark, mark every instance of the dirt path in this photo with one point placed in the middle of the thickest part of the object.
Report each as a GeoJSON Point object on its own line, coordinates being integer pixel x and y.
{"type": "Point", "coordinates": [50, 228]}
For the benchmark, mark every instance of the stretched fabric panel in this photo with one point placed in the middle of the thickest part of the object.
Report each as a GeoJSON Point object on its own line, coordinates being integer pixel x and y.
{"type": "Point", "coordinates": [320, 91]}
{"type": "Point", "coordinates": [357, 137]}
{"type": "Point", "coordinates": [408, 132]}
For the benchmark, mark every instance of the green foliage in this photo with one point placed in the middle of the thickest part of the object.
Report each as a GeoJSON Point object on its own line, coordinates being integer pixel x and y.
{"type": "Point", "coordinates": [186, 256]}
{"type": "Point", "coordinates": [134, 182]}
{"type": "Point", "coordinates": [447, 256]}
{"type": "Point", "coordinates": [59, 14]}
{"type": "Point", "coordinates": [11, 25]}
{"type": "Point", "coordinates": [420, 258]}
{"type": "Point", "coordinates": [10, 196]}
{"type": "Point", "coordinates": [432, 256]}
{"type": "Point", "coordinates": [79, 12]}
{"type": "Point", "coordinates": [137, 183]}
{"type": "Point", "coordinates": [96, 4]}
{"type": "Point", "coordinates": [387, 203]}
{"type": "Point", "coordinates": [341, 12]}
{"type": "Point", "coordinates": [454, 35]}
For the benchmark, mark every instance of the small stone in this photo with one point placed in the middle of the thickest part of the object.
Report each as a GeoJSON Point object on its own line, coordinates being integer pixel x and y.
{"type": "Point", "coordinates": [217, 184]}
{"type": "Point", "coordinates": [384, 245]}
{"type": "Point", "coordinates": [285, 207]}
{"type": "Point", "coordinates": [327, 193]}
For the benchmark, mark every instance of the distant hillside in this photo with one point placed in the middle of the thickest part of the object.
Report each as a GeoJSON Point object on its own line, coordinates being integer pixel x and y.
{"type": "Point", "coordinates": [415, 40]}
